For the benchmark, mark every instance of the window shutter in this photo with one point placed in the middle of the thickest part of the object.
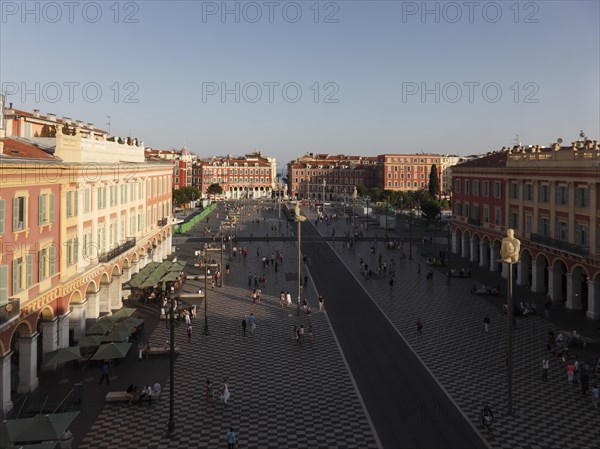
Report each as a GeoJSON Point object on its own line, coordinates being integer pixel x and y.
{"type": "Point", "coordinates": [76, 198]}
{"type": "Point", "coordinates": [29, 269]}
{"type": "Point", "coordinates": [76, 250]}
{"type": "Point", "coordinates": [41, 263]}
{"type": "Point", "coordinates": [1, 217]}
{"type": "Point", "coordinates": [52, 261]}
{"type": "Point", "coordinates": [40, 209]}
{"type": "Point", "coordinates": [15, 214]}
{"type": "Point", "coordinates": [3, 284]}
{"type": "Point", "coordinates": [15, 268]}
{"type": "Point", "coordinates": [52, 208]}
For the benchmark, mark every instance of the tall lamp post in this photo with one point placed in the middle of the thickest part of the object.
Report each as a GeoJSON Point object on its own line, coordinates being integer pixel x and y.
{"type": "Point", "coordinates": [299, 219]}
{"type": "Point", "coordinates": [206, 332]}
{"type": "Point", "coordinates": [324, 184]}
{"type": "Point", "coordinates": [221, 277]}
{"type": "Point", "coordinates": [354, 194]}
{"type": "Point", "coordinates": [367, 212]}
{"type": "Point", "coordinates": [386, 215]}
{"type": "Point", "coordinates": [448, 256]}
{"type": "Point", "coordinates": [172, 324]}
{"type": "Point", "coordinates": [410, 212]}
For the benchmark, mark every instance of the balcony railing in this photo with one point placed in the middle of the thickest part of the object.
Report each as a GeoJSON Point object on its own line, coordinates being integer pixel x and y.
{"type": "Point", "coordinates": [474, 221]}
{"type": "Point", "coordinates": [163, 221]}
{"type": "Point", "coordinates": [109, 255]}
{"type": "Point", "coordinates": [10, 310]}
{"type": "Point", "coordinates": [559, 244]}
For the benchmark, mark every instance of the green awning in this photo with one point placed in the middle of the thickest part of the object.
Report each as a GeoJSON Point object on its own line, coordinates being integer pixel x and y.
{"type": "Point", "coordinates": [62, 355]}
{"type": "Point", "coordinates": [111, 351]}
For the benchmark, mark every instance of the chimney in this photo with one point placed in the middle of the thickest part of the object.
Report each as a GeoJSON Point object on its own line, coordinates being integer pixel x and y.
{"type": "Point", "coordinates": [10, 105]}
{"type": "Point", "coordinates": [66, 119]}
{"type": "Point", "coordinates": [51, 116]}
{"type": "Point", "coordinates": [90, 125]}
{"type": "Point", "coordinates": [596, 146]}
{"type": "Point", "coordinates": [36, 112]}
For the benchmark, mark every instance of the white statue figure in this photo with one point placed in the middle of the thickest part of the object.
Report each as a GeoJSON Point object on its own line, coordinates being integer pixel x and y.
{"type": "Point", "coordinates": [298, 216]}
{"type": "Point", "coordinates": [511, 247]}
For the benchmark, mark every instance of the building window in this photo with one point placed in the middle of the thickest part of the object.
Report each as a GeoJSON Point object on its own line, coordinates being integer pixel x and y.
{"type": "Point", "coordinates": [485, 188]}
{"type": "Point", "coordinates": [43, 259]}
{"type": "Point", "coordinates": [497, 189]}
{"type": "Point", "coordinates": [17, 275]}
{"type": "Point", "coordinates": [544, 227]}
{"type": "Point", "coordinates": [87, 200]}
{"type": "Point", "coordinates": [561, 230]}
{"type": "Point", "coordinates": [486, 214]}
{"type": "Point", "coordinates": [513, 191]}
{"type": "Point", "coordinates": [2, 217]}
{"type": "Point", "coordinates": [528, 223]}
{"type": "Point", "coordinates": [71, 250]}
{"type": "Point", "coordinates": [72, 205]}
{"type": "Point", "coordinates": [457, 185]}
{"type": "Point", "coordinates": [475, 188]}
{"type": "Point", "coordinates": [528, 192]}
{"type": "Point", "coordinates": [46, 209]}
{"type": "Point", "coordinates": [562, 196]}
{"type": "Point", "coordinates": [467, 186]}
{"type": "Point", "coordinates": [582, 235]}
{"type": "Point", "coordinates": [496, 216]}
{"type": "Point", "coordinates": [582, 197]}
{"type": "Point", "coordinates": [19, 213]}
{"type": "Point", "coordinates": [101, 198]}
{"type": "Point", "coordinates": [513, 220]}
{"type": "Point", "coordinates": [544, 193]}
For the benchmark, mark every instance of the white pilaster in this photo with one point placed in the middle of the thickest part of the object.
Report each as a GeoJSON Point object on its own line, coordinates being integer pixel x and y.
{"type": "Point", "coordinates": [494, 256]}
{"type": "Point", "coordinates": [49, 336]}
{"type": "Point", "coordinates": [473, 250]}
{"type": "Point", "coordinates": [28, 380]}
{"type": "Point", "coordinates": [5, 377]}
{"type": "Point", "coordinates": [454, 243]}
{"type": "Point", "coordinates": [93, 305]}
{"type": "Point", "coordinates": [104, 298]}
{"type": "Point", "coordinates": [114, 293]}
{"type": "Point", "coordinates": [593, 311]}
{"type": "Point", "coordinates": [77, 320]}
{"type": "Point", "coordinates": [483, 262]}
{"type": "Point", "coordinates": [523, 272]}
{"type": "Point", "coordinates": [464, 251]}
{"type": "Point", "coordinates": [63, 330]}
{"type": "Point", "coordinates": [554, 286]}
{"type": "Point", "coordinates": [537, 278]}
{"type": "Point", "coordinates": [573, 294]}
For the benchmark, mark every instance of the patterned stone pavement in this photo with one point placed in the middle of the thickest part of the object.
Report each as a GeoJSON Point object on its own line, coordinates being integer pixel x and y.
{"type": "Point", "coordinates": [470, 363]}
{"type": "Point", "coordinates": [283, 395]}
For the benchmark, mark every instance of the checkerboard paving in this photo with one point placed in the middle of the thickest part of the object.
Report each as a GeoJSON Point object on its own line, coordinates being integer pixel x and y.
{"type": "Point", "coordinates": [471, 364]}
{"type": "Point", "coordinates": [283, 395]}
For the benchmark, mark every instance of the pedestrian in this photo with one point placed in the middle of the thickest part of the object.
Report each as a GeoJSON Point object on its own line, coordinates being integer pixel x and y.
{"type": "Point", "coordinates": [419, 326]}
{"type": "Point", "coordinates": [545, 367]}
{"type": "Point", "coordinates": [418, 268]}
{"type": "Point", "coordinates": [391, 282]}
{"type": "Point", "coordinates": [288, 297]}
{"type": "Point", "coordinates": [294, 334]}
{"type": "Point", "coordinates": [310, 333]}
{"type": "Point", "coordinates": [486, 322]}
{"type": "Point", "coordinates": [584, 378]}
{"type": "Point", "coordinates": [227, 269]}
{"type": "Point", "coordinates": [282, 298]}
{"type": "Point", "coordinates": [570, 372]}
{"type": "Point", "coordinates": [252, 322]}
{"type": "Point", "coordinates": [595, 395]}
{"type": "Point", "coordinates": [244, 325]}
{"type": "Point", "coordinates": [305, 281]}
{"type": "Point", "coordinates": [308, 311]}
{"type": "Point", "coordinates": [209, 391]}
{"type": "Point", "coordinates": [321, 303]}
{"type": "Point", "coordinates": [105, 369]}
{"type": "Point", "coordinates": [301, 334]}
{"type": "Point", "coordinates": [189, 333]}
{"type": "Point", "coordinates": [225, 394]}
{"type": "Point", "coordinates": [249, 279]}
{"type": "Point", "coordinates": [230, 438]}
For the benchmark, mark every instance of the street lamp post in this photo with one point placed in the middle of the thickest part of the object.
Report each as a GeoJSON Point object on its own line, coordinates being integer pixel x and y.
{"type": "Point", "coordinates": [324, 184]}
{"type": "Point", "coordinates": [172, 324]}
{"type": "Point", "coordinates": [410, 234]}
{"type": "Point", "coordinates": [354, 193]}
{"type": "Point", "coordinates": [221, 277]}
{"type": "Point", "coordinates": [206, 332]}
{"type": "Point", "coordinates": [448, 256]}
{"type": "Point", "coordinates": [386, 216]}
{"type": "Point", "coordinates": [367, 212]}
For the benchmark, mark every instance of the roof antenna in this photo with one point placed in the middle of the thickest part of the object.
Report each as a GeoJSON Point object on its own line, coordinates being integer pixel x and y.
{"type": "Point", "coordinates": [517, 139]}
{"type": "Point", "coordinates": [108, 123]}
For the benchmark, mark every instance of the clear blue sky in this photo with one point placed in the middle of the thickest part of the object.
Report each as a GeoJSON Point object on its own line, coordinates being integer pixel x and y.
{"type": "Point", "coordinates": [375, 57]}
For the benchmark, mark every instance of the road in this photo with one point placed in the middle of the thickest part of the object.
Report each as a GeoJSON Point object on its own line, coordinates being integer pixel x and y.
{"type": "Point", "coordinates": [407, 406]}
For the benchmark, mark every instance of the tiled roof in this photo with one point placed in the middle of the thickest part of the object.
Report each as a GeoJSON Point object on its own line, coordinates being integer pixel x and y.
{"type": "Point", "coordinates": [494, 160]}
{"type": "Point", "coordinates": [18, 112]}
{"type": "Point", "coordinates": [17, 149]}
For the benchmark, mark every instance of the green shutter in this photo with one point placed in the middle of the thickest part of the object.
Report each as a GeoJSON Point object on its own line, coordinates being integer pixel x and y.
{"type": "Point", "coordinates": [40, 210]}
{"type": "Point", "coordinates": [41, 262]}
{"type": "Point", "coordinates": [1, 217]}
{"type": "Point", "coordinates": [76, 250]}
{"type": "Point", "coordinates": [76, 205]}
{"type": "Point", "coordinates": [15, 268]}
{"type": "Point", "coordinates": [3, 284]}
{"type": "Point", "coordinates": [15, 214]}
{"type": "Point", "coordinates": [29, 269]}
{"type": "Point", "coordinates": [52, 208]}
{"type": "Point", "coordinates": [52, 261]}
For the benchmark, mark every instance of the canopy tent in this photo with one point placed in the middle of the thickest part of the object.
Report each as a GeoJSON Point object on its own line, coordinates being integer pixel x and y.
{"type": "Point", "coordinates": [118, 334]}
{"type": "Point", "coordinates": [40, 428]}
{"type": "Point", "coordinates": [62, 355]}
{"type": "Point", "coordinates": [102, 326]}
{"type": "Point", "coordinates": [109, 351]}
{"type": "Point", "coordinates": [89, 341]}
{"type": "Point", "coordinates": [122, 313]}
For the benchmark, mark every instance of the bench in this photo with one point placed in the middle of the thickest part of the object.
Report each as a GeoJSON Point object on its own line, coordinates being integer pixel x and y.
{"type": "Point", "coordinates": [123, 396]}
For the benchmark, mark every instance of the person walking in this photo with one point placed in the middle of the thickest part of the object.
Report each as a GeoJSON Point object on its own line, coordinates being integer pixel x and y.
{"type": "Point", "coordinates": [288, 298]}
{"type": "Point", "coordinates": [189, 333]}
{"type": "Point", "coordinates": [321, 303]}
{"type": "Point", "coordinates": [570, 372]}
{"type": "Point", "coordinates": [209, 391]}
{"type": "Point", "coordinates": [420, 326]}
{"type": "Point", "coordinates": [301, 334]}
{"type": "Point", "coordinates": [230, 438]}
{"type": "Point", "coordinates": [225, 394]}
{"type": "Point", "coordinates": [595, 395]}
{"type": "Point", "coordinates": [545, 367]}
{"type": "Point", "coordinates": [294, 334]}
{"type": "Point", "coordinates": [244, 325]}
{"type": "Point", "coordinates": [252, 322]}
{"type": "Point", "coordinates": [105, 369]}
{"type": "Point", "coordinates": [486, 322]}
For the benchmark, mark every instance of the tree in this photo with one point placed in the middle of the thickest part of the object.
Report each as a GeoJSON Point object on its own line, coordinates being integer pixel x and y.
{"type": "Point", "coordinates": [214, 189]}
{"type": "Point", "coordinates": [185, 195]}
{"type": "Point", "coordinates": [430, 208]}
{"type": "Point", "coordinates": [434, 182]}
{"type": "Point", "coordinates": [361, 190]}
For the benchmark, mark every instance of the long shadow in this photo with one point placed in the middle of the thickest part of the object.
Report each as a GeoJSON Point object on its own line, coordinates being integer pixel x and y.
{"type": "Point", "coordinates": [407, 406]}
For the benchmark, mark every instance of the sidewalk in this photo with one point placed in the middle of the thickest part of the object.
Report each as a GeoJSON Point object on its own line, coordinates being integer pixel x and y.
{"type": "Point", "coordinates": [283, 395]}
{"type": "Point", "coordinates": [469, 362]}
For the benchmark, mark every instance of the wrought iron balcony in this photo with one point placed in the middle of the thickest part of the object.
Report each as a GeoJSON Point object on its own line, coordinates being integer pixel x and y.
{"type": "Point", "coordinates": [163, 221]}
{"type": "Point", "coordinates": [10, 310]}
{"type": "Point", "coordinates": [109, 255]}
{"type": "Point", "coordinates": [572, 248]}
{"type": "Point", "coordinates": [474, 221]}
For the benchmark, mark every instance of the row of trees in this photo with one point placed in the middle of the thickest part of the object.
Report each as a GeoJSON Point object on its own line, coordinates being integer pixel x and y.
{"type": "Point", "coordinates": [189, 194]}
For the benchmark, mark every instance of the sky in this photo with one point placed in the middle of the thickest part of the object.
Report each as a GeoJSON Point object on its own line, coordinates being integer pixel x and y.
{"type": "Point", "coordinates": [289, 78]}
